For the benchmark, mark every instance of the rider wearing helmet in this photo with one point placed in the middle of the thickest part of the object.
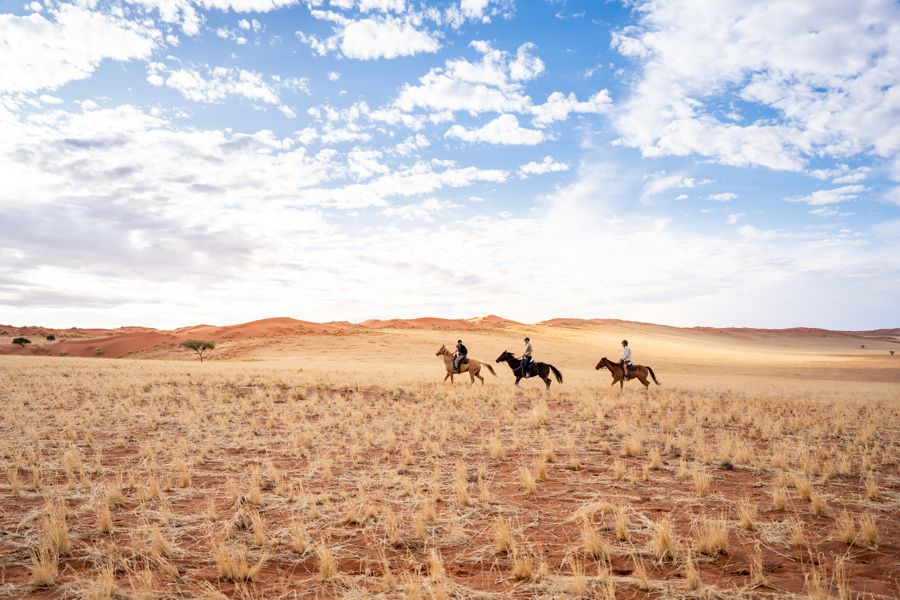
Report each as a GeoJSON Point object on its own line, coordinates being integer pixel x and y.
{"type": "Point", "coordinates": [626, 358]}
{"type": "Point", "coordinates": [527, 358]}
{"type": "Point", "coordinates": [461, 352]}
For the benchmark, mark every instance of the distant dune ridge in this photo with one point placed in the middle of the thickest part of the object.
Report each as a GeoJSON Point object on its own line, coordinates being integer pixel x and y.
{"type": "Point", "coordinates": [236, 341]}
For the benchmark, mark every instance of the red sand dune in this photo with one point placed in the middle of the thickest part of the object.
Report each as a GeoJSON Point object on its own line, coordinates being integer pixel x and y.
{"type": "Point", "coordinates": [439, 324]}
{"type": "Point", "coordinates": [137, 341]}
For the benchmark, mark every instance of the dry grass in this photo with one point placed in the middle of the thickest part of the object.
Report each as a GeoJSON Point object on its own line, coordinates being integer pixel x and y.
{"type": "Point", "coordinates": [153, 480]}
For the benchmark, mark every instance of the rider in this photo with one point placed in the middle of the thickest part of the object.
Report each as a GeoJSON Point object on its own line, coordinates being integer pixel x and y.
{"type": "Point", "coordinates": [526, 358]}
{"type": "Point", "coordinates": [461, 352]}
{"type": "Point", "coordinates": [626, 358]}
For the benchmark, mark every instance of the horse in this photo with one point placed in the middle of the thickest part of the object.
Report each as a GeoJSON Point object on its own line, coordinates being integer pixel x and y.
{"type": "Point", "coordinates": [473, 367]}
{"type": "Point", "coordinates": [541, 369]}
{"type": "Point", "coordinates": [618, 372]}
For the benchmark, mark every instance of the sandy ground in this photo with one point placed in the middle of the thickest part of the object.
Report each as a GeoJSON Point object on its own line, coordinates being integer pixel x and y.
{"type": "Point", "coordinates": [334, 460]}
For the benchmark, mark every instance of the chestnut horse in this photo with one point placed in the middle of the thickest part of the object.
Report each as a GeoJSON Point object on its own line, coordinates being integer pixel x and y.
{"type": "Point", "coordinates": [473, 367]}
{"type": "Point", "coordinates": [618, 372]}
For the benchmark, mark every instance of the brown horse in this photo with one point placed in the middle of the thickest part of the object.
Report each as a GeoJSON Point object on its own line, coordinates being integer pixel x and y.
{"type": "Point", "coordinates": [618, 372]}
{"type": "Point", "coordinates": [473, 367]}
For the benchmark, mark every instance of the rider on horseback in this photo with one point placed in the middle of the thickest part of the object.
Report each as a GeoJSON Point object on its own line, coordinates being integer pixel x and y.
{"type": "Point", "coordinates": [527, 358]}
{"type": "Point", "coordinates": [626, 359]}
{"type": "Point", "coordinates": [461, 352]}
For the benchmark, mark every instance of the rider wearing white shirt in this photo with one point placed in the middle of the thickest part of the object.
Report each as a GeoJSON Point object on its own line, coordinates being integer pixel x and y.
{"type": "Point", "coordinates": [526, 357]}
{"type": "Point", "coordinates": [626, 357]}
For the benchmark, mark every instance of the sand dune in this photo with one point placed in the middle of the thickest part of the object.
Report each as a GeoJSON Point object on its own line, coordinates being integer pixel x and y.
{"type": "Point", "coordinates": [565, 340]}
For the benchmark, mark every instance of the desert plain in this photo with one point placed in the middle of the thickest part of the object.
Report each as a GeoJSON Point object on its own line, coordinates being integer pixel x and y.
{"type": "Point", "coordinates": [307, 460]}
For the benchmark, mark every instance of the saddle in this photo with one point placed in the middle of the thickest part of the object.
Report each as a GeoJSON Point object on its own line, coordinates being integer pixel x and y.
{"type": "Point", "coordinates": [528, 371]}
{"type": "Point", "coordinates": [464, 361]}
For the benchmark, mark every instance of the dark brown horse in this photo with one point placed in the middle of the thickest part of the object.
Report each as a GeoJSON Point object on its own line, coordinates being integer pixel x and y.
{"type": "Point", "coordinates": [540, 369]}
{"type": "Point", "coordinates": [618, 372]}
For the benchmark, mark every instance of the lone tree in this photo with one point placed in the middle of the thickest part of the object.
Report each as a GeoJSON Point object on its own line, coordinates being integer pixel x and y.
{"type": "Point", "coordinates": [51, 337]}
{"type": "Point", "coordinates": [892, 352]}
{"type": "Point", "coordinates": [20, 341]}
{"type": "Point", "coordinates": [198, 346]}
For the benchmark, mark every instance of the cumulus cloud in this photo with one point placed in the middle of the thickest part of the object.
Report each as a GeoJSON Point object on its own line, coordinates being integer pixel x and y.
{"type": "Point", "coordinates": [44, 51]}
{"type": "Point", "coordinates": [548, 165]}
{"type": "Point", "coordinates": [504, 130]}
{"type": "Point", "coordinates": [383, 36]}
{"type": "Point", "coordinates": [558, 107]}
{"type": "Point", "coordinates": [663, 182]}
{"type": "Point", "coordinates": [832, 196]}
{"type": "Point", "coordinates": [215, 84]}
{"type": "Point", "coordinates": [722, 197]}
{"type": "Point", "coordinates": [426, 210]}
{"type": "Point", "coordinates": [461, 85]}
{"type": "Point", "coordinates": [403, 182]}
{"type": "Point", "coordinates": [816, 80]}
{"type": "Point", "coordinates": [842, 174]}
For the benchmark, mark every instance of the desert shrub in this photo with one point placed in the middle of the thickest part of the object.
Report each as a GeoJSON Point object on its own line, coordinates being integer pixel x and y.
{"type": "Point", "coordinates": [21, 341]}
{"type": "Point", "coordinates": [51, 338]}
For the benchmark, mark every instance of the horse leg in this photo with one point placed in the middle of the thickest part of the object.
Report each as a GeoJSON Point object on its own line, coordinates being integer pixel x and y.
{"type": "Point", "coordinates": [547, 382]}
{"type": "Point", "coordinates": [446, 376]}
{"type": "Point", "coordinates": [517, 380]}
{"type": "Point", "coordinates": [645, 382]}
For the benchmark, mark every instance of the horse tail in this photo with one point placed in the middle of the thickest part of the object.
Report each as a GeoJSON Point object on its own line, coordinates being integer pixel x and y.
{"type": "Point", "coordinates": [490, 368]}
{"type": "Point", "coordinates": [556, 372]}
{"type": "Point", "coordinates": [653, 375]}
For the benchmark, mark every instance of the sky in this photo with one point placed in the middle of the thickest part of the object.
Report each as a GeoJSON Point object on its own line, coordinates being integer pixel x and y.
{"type": "Point", "coordinates": [175, 162]}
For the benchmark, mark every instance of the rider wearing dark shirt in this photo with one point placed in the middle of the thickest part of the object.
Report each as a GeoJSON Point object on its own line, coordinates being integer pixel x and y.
{"type": "Point", "coordinates": [461, 352]}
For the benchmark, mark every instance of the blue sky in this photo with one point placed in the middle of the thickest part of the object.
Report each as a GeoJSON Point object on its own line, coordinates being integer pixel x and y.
{"type": "Point", "coordinates": [169, 162]}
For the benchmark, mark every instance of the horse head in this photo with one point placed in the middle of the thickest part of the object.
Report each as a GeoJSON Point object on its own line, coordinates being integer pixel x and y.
{"type": "Point", "coordinates": [603, 362]}
{"type": "Point", "coordinates": [442, 351]}
{"type": "Point", "coordinates": [505, 356]}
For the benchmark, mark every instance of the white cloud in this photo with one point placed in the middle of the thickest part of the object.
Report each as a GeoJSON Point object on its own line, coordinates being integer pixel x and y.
{"type": "Point", "coordinates": [461, 85]}
{"type": "Point", "coordinates": [382, 5]}
{"type": "Point", "coordinates": [384, 36]}
{"type": "Point", "coordinates": [734, 218]}
{"type": "Point", "coordinates": [473, 9]}
{"type": "Point", "coordinates": [558, 107]}
{"type": "Point", "coordinates": [239, 215]}
{"type": "Point", "coordinates": [525, 66]}
{"type": "Point", "coordinates": [817, 79]}
{"type": "Point", "coordinates": [892, 196]}
{"type": "Point", "coordinates": [662, 183]}
{"type": "Point", "coordinates": [231, 34]}
{"type": "Point", "coordinates": [45, 51]}
{"type": "Point", "coordinates": [333, 76]}
{"type": "Point", "coordinates": [364, 164]}
{"type": "Point", "coordinates": [505, 130]}
{"type": "Point", "coordinates": [412, 144]}
{"type": "Point", "coordinates": [842, 173]}
{"type": "Point", "coordinates": [754, 233]}
{"type": "Point", "coordinates": [426, 210]}
{"type": "Point", "coordinates": [722, 197]}
{"type": "Point", "coordinates": [215, 84]}
{"type": "Point", "coordinates": [547, 165]}
{"type": "Point", "coordinates": [832, 196]}
{"type": "Point", "coordinates": [419, 179]}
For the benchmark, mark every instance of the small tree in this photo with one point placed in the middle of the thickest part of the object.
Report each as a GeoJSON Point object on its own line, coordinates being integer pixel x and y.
{"type": "Point", "coordinates": [51, 338]}
{"type": "Point", "coordinates": [21, 341]}
{"type": "Point", "coordinates": [198, 346]}
{"type": "Point", "coordinates": [892, 353]}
